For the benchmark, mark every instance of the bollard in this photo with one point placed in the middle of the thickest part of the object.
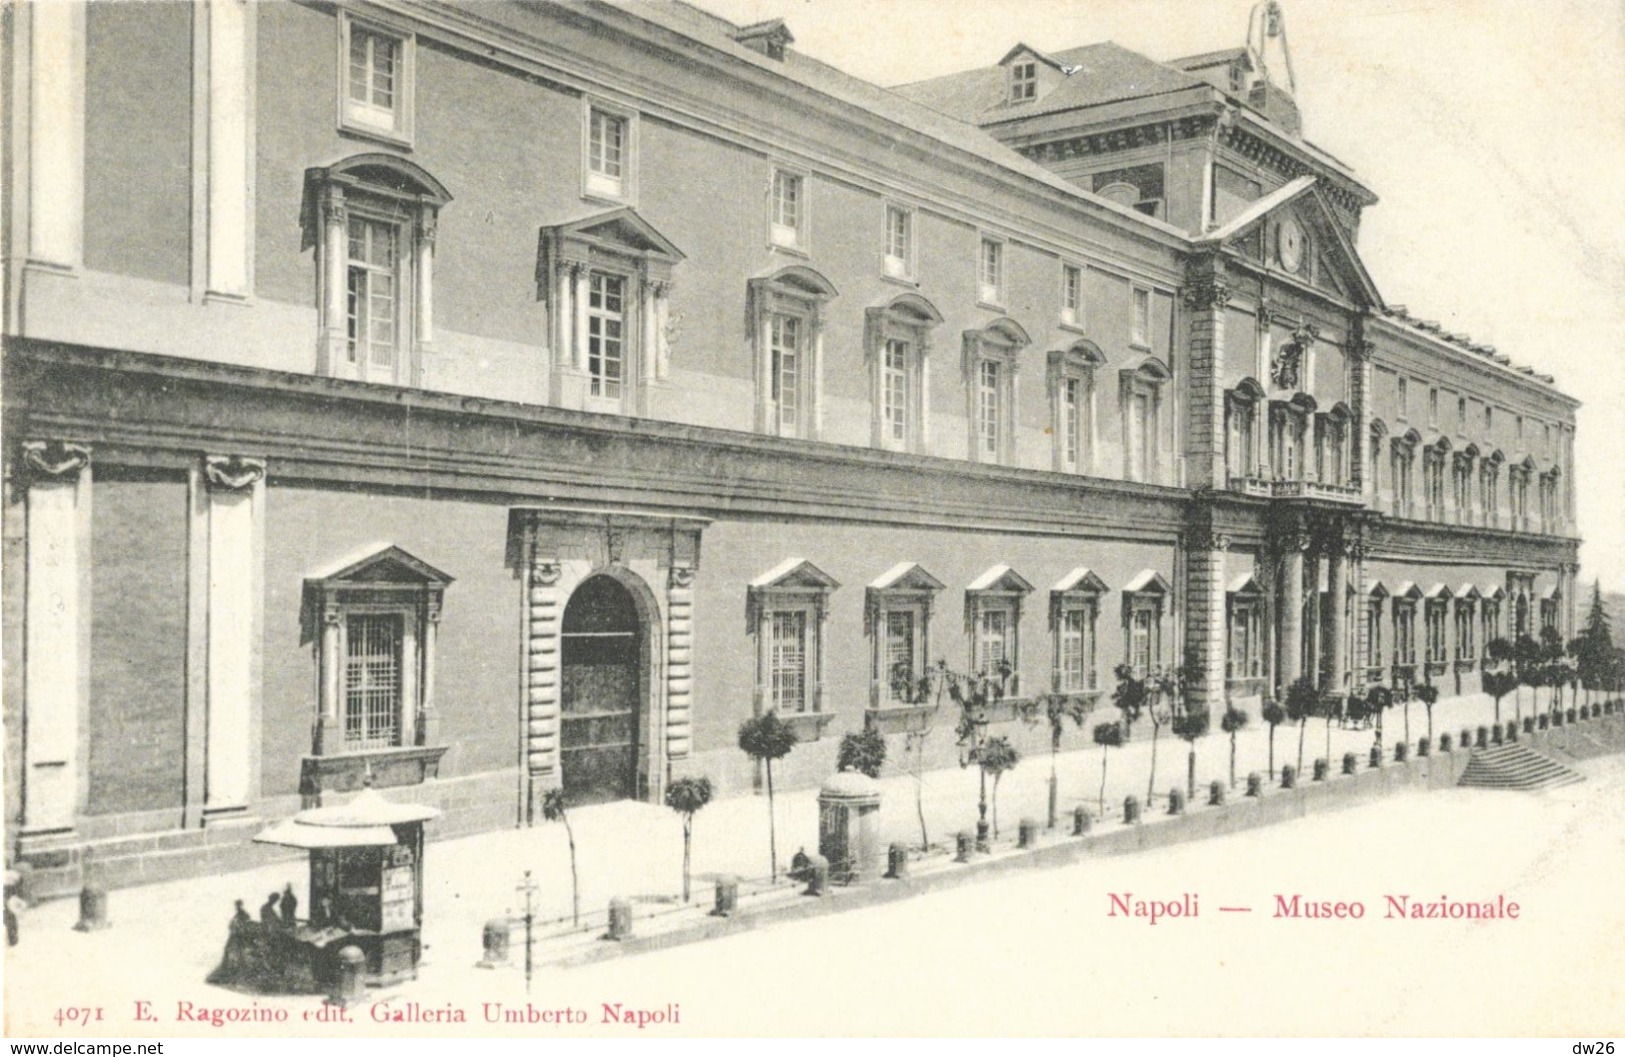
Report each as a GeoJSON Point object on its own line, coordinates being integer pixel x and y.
{"type": "Point", "coordinates": [1571, 715]}
{"type": "Point", "coordinates": [1255, 784]}
{"type": "Point", "coordinates": [1483, 741]}
{"type": "Point", "coordinates": [1540, 722]}
{"type": "Point", "coordinates": [897, 861]}
{"type": "Point", "coordinates": [1422, 747]}
{"type": "Point", "coordinates": [1320, 769]}
{"type": "Point", "coordinates": [1557, 718]}
{"type": "Point", "coordinates": [1444, 743]}
{"type": "Point", "coordinates": [495, 939]}
{"type": "Point", "coordinates": [1131, 811]}
{"type": "Point", "coordinates": [620, 919]}
{"type": "Point", "coordinates": [1350, 762]}
{"type": "Point", "coordinates": [1529, 724]}
{"type": "Point", "coordinates": [965, 842]}
{"type": "Point", "coordinates": [1466, 738]}
{"type": "Point", "coordinates": [1402, 751]}
{"type": "Point", "coordinates": [349, 985]}
{"type": "Point", "coordinates": [1607, 708]}
{"type": "Point", "coordinates": [1512, 732]}
{"type": "Point", "coordinates": [1376, 757]}
{"type": "Point", "coordinates": [1215, 794]}
{"type": "Point", "coordinates": [92, 909]}
{"type": "Point", "coordinates": [1289, 776]}
{"type": "Point", "coordinates": [23, 887]}
{"type": "Point", "coordinates": [817, 876]}
{"type": "Point", "coordinates": [727, 902]}
{"type": "Point", "coordinates": [1080, 821]}
{"type": "Point", "coordinates": [1497, 734]}
{"type": "Point", "coordinates": [1176, 801]}
{"type": "Point", "coordinates": [1027, 833]}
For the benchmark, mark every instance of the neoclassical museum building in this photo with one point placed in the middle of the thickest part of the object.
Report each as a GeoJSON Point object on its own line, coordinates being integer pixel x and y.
{"type": "Point", "coordinates": [478, 398]}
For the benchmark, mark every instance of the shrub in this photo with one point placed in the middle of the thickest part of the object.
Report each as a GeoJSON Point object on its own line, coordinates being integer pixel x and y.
{"type": "Point", "coordinates": [864, 752]}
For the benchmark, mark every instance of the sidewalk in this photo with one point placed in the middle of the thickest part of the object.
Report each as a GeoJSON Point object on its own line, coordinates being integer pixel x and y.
{"type": "Point", "coordinates": [176, 931]}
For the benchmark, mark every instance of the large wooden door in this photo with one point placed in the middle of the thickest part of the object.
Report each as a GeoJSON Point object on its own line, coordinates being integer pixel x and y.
{"type": "Point", "coordinates": [602, 693]}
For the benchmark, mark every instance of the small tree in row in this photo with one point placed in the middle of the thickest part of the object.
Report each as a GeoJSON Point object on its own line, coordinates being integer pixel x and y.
{"type": "Point", "coordinates": [555, 808]}
{"type": "Point", "coordinates": [687, 796]}
{"type": "Point", "coordinates": [1108, 736]}
{"type": "Point", "coordinates": [766, 738]}
{"type": "Point", "coordinates": [1233, 722]}
{"type": "Point", "coordinates": [1274, 715]}
{"type": "Point", "coordinates": [997, 757]}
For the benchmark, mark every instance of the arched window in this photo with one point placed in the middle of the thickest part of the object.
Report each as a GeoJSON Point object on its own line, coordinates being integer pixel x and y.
{"type": "Point", "coordinates": [1461, 483]}
{"type": "Point", "coordinates": [1241, 432]}
{"type": "Point", "coordinates": [1433, 464]}
{"type": "Point", "coordinates": [1404, 465]}
{"type": "Point", "coordinates": [992, 356]}
{"type": "Point", "coordinates": [1332, 444]}
{"type": "Point", "coordinates": [898, 341]}
{"type": "Point", "coordinates": [1072, 405]}
{"type": "Point", "coordinates": [1374, 456]}
{"type": "Point", "coordinates": [372, 220]}
{"type": "Point", "coordinates": [787, 313]}
{"type": "Point", "coordinates": [1489, 489]}
{"type": "Point", "coordinates": [1140, 382]}
{"type": "Point", "coordinates": [1289, 425]}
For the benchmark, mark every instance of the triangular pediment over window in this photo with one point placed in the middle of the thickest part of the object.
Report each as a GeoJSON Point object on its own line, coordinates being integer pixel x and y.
{"type": "Point", "coordinates": [387, 564]}
{"type": "Point", "coordinates": [906, 576]}
{"type": "Point", "coordinates": [1377, 590]}
{"type": "Point", "coordinates": [1334, 256]}
{"type": "Point", "coordinates": [1439, 592]}
{"type": "Point", "coordinates": [1494, 593]}
{"type": "Point", "coordinates": [1148, 582]}
{"type": "Point", "coordinates": [1468, 592]}
{"type": "Point", "coordinates": [1245, 587]}
{"type": "Point", "coordinates": [1082, 581]}
{"type": "Point", "coordinates": [795, 574]}
{"type": "Point", "coordinates": [1407, 589]}
{"type": "Point", "coordinates": [1001, 579]}
{"type": "Point", "coordinates": [612, 234]}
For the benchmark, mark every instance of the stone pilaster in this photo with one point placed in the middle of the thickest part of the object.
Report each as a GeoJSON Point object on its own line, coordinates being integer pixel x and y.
{"type": "Point", "coordinates": [680, 663]}
{"type": "Point", "coordinates": [1290, 666]}
{"type": "Point", "coordinates": [1204, 594]}
{"type": "Point", "coordinates": [1205, 296]}
{"type": "Point", "coordinates": [544, 623]}
{"type": "Point", "coordinates": [1359, 361]}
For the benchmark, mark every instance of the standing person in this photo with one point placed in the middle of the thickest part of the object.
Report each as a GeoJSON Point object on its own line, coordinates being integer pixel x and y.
{"type": "Point", "coordinates": [290, 907]}
{"type": "Point", "coordinates": [268, 912]}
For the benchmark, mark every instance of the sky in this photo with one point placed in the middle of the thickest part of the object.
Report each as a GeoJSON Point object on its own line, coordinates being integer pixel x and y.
{"type": "Point", "coordinates": [1492, 130]}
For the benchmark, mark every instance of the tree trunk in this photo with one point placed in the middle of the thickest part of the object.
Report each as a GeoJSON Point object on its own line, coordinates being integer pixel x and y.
{"type": "Point", "coordinates": [1302, 724]}
{"type": "Point", "coordinates": [996, 805]}
{"type": "Point", "coordinates": [1272, 752]}
{"type": "Point", "coordinates": [1407, 722]}
{"type": "Point", "coordinates": [1232, 759]}
{"type": "Point", "coordinates": [1103, 761]}
{"type": "Point", "coordinates": [772, 829]}
{"type": "Point", "coordinates": [688, 832]}
{"type": "Point", "coordinates": [1151, 783]}
{"type": "Point", "coordinates": [1430, 723]}
{"type": "Point", "coordinates": [1054, 789]}
{"type": "Point", "coordinates": [575, 884]}
{"type": "Point", "coordinates": [1190, 775]}
{"type": "Point", "coordinates": [919, 809]}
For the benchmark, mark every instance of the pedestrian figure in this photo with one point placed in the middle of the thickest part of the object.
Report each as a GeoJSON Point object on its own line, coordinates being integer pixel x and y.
{"type": "Point", "coordinates": [290, 907]}
{"type": "Point", "coordinates": [268, 914]}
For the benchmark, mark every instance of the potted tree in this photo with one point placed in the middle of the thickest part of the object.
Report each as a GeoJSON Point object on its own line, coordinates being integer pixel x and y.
{"type": "Point", "coordinates": [687, 796]}
{"type": "Point", "coordinates": [1233, 722]}
{"type": "Point", "coordinates": [997, 757]}
{"type": "Point", "coordinates": [766, 738]}
{"type": "Point", "coordinates": [1108, 736]}
{"type": "Point", "coordinates": [1274, 715]}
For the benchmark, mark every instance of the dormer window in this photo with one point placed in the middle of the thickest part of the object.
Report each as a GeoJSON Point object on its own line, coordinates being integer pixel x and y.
{"type": "Point", "coordinates": [1023, 81]}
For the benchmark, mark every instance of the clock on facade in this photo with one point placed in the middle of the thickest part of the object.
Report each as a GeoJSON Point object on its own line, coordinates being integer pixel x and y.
{"type": "Point", "coordinates": [1289, 244]}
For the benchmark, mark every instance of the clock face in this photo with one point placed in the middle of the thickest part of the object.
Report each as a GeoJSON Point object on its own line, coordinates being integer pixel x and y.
{"type": "Point", "coordinates": [1289, 244]}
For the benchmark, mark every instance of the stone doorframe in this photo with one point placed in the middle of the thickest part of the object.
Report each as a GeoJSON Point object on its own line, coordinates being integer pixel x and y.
{"type": "Point", "coordinates": [556, 548]}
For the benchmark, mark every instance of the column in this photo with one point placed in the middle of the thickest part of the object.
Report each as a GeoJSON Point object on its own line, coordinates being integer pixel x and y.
{"type": "Point", "coordinates": [1291, 610]}
{"type": "Point", "coordinates": [1314, 633]}
{"type": "Point", "coordinates": [56, 617]}
{"type": "Point", "coordinates": [582, 295]}
{"type": "Point", "coordinates": [335, 352]}
{"type": "Point", "coordinates": [1337, 588]}
{"type": "Point", "coordinates": [56, 132]}
{"type": "Point", "coordinates": [234, 486]}
{"type": "Point", "coordinates": [680, 662]}
{"type": "Point", "coordinates": [1205, 617]}
{"type": "Point", "coordinates": [1205, 296]}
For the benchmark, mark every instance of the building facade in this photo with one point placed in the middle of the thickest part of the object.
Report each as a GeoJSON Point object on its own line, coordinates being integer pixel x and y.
{"type": "Point", "coordinates": [482, 398]}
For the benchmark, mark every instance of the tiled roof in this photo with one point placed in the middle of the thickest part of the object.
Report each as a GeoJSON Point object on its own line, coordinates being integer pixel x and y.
{"type": "Point", "coordinates": [1104, 73]}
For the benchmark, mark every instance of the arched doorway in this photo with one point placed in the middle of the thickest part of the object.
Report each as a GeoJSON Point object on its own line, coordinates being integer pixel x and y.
{"type": "Point", "coordinates": [603, 687]}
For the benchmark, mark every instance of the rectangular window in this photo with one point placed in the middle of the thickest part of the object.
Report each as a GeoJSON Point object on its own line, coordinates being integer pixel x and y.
{"type": "Point", "coordinates": [1077, 648]}
{"type": "Point", "coordinates": [1404, 634]}
{"type": "Point", "coordinates": [1461, 415]}
{"type": "Point", "coordinates": [1435, 630]}
{"type": "Point", "coordinates": [1245, 658]}
{"type": "Point", "coordinates": [1490, 619]}
{"type": "Point", "coordinates": [1433, 407]}
{"type": "Point", "coordinates": [899, 242]}
{"type": "Point", "coordinates": [989, 409]}
{"type": "Point", "coordinates": [606, 335]}
{"type": "Point", "coordinates": [1141, 438]}
{"type": "Point", "coordinates": [990, 273]}
{"type": "Point", "coordinates": [1140, 327]}
{"type": "Point", "coordinates": [1489, 418]}
{"type": "Point", "coordinates": [1071, 422]}
{"type": "Point", "coordinates": [372, 681]}
{"type": "Point", "coordinates": [786, 368]}
{"type": "Point", "coordinates": [1071, 295]}
{"type": "Point", "coordinates": [900, 651]}
{"type": "Point", "coordinates": [609, 153]}
{"type": "Point", "coordinates": [1142, 640]}
{"type": "Point", "coordinates": [1404, 399]}
{"type": "Point", "coordinates": [894, 391]}
{"type": "Point", "coordinates": [1373, 634]}
{"type": "Point", "coordinates": [1518, 428]}
{"type": "Point", "coordinates": [992, 640]}
{"type": "Point", "coordinates": [1023, 81]}
{"type": "Point", "coordinates": [373, 292]}
{"type": "Point", "coordinates": [1465, 648]}
{"type": "Point", "coordinates": [787, 663]}
{"type": "Point", "coordinates": [789, 209]}
{"type": "Point", "coordinates": [376, 88]}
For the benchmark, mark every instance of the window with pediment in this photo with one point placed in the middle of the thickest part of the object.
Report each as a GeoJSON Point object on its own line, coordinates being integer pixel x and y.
{"type": "Point", "coordinates": [898, 615]}
{"type": "Point", "coordinates": [1244, 606]}
{"type": "Point", "coordinates": [991, 361]}
{"type": "Point", "coordinates": [1141, 384]}
{"type": "Point", "coordinates": [606, 278]}
{"type": "Point", "coordinates": [1074, 624]}
{"type": "Point", "coordinates": [898, 340]}
{"type": "Point", "coordinates": [1072, 406]}
{"type": "Point", "coordinates": [788, 312]}
{"type": "Point", "coordinates": [788, 607]}
{"type": "Point", "coordinates": [993, 604]}
{"type": "Point", "coordinates": [1242, 406]}
{"type": "Point", "coordinates": [1145, 600]}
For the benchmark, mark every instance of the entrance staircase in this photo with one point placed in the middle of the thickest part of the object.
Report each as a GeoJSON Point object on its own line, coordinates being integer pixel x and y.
{"type": "Point", "coordinates": [1516, 766]}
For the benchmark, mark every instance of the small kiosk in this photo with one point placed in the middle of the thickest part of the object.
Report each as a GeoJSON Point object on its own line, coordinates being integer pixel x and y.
{"type": "Point", "coordinates": [366, 891]}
